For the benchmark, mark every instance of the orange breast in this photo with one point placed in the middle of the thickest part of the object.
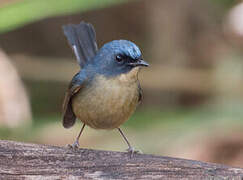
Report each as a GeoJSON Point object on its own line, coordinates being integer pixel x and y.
{"type": "Point", "coordinates": [108, 102]}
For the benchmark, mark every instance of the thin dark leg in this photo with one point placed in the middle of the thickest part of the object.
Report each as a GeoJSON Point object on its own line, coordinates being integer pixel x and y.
{"type": "Point", "coordinates": [130, 149]}
{"type": "Point", "coordinates": [124, 137]}
{"type": "Point", "coordinates": [75, 145]}
{"type": "Point", "coordinates": [77, 139]}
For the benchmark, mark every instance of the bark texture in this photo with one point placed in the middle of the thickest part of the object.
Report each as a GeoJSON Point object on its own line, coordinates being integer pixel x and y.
{"type": "Point", "coordinates": [32, 161]}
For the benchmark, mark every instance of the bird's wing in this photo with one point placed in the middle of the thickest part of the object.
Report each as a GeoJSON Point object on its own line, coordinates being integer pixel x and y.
{"type": "Point", "coordinates": [82, 38]}
{"type": "Point", "coordinates": [140, 93]}
{"type": "Point", "coordinates": [74, 87]}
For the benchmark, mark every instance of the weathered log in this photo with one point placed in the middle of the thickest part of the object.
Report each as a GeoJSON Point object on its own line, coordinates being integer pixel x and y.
{"type": "Point", "coordinates": [32, 161]}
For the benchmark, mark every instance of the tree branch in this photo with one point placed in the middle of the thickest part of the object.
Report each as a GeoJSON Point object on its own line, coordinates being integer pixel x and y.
{"type": "Point", "coordinates": [20, 160]}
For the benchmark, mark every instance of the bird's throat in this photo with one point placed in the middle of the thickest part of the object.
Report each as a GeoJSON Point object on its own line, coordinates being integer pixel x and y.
{"type": "Point", "coordinates": [129, 77]}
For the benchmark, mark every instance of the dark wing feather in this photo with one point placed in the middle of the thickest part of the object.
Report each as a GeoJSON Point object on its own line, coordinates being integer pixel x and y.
{"type": "Point", "coordinates": [82, 38]}
{"type": "Point", "coordinates": [69, 117]}
{"type": "Point", "coordinates": [140, 93]}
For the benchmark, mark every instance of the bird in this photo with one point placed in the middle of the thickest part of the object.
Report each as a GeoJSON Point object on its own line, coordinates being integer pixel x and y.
{"type": "Point", "coordinates": [106, 90]}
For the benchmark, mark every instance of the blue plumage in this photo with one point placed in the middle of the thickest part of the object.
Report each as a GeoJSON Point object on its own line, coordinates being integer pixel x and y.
{"type": "Point", "coordinates": [105, 62]}
{"type": "Point", "coordinates": [123, 47]}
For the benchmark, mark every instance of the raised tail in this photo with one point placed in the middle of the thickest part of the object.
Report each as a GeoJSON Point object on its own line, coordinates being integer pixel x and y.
{"type": "Point", "coordinates": [82, 38]}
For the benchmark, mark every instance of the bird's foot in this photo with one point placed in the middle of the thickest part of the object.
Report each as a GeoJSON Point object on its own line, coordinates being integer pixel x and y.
{"type": "Point", "coordinates": [74, 146]}
{"type": "Point", "coordinates": [131, 151]}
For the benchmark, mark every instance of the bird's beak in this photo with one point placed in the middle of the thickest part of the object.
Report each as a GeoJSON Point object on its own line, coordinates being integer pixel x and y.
{"type": "Point", "coordinates": [139, 62]}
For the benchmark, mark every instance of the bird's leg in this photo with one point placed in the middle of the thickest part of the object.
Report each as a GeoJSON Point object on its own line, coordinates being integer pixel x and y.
{"type": "Point", "coordinates": [75, 145]}
{"type": "Point", "coordinates": [130, 149]}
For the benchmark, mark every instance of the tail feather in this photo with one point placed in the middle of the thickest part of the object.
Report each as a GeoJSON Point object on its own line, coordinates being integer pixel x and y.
{"type": "Point", "coordinates": [82, 38]}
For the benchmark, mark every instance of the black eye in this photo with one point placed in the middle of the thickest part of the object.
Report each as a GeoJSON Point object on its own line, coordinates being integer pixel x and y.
{"type": "Point", "coordinates": [119, 58]}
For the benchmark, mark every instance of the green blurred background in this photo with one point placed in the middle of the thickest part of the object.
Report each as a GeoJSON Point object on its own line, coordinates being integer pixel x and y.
{"type": "Point", "coordinates": [193, 90]}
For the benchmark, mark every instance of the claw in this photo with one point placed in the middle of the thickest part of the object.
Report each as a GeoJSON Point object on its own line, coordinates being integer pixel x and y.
{"type": "Point", "coordinates": [132, 151]}
{"type": "Point", "coordinates": [73, 146]}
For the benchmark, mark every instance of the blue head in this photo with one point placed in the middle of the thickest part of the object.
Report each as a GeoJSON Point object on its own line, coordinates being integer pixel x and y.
{"type": "Point", "coordinates": [118, 57]}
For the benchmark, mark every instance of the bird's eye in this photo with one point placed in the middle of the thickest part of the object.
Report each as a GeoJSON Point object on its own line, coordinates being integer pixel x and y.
{"type": "Point", "coordinates": [119, 58]}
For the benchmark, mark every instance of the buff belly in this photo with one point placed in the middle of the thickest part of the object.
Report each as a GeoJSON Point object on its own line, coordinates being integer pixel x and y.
{"type": "Point", "coordinates": [107, 103]}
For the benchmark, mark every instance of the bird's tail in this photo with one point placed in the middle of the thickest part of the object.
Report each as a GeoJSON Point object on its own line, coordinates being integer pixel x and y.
{"type": "Point", "coordinates": [83, 41]}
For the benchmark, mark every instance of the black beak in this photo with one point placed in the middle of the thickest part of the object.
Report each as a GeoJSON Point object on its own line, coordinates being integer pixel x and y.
{"type": "Point", "coordinates": [139, 62]}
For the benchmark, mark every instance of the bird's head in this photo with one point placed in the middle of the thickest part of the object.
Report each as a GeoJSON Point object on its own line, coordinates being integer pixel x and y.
{"type": "Point", "coordinates": [118, 57]}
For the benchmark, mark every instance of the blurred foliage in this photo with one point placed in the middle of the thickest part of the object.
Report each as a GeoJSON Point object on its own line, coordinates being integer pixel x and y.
{"type": "Point", "coordinates": [183, 119]}
{"type": "Point", "coordinates": [44, 101]}
{"type": "Point", "coordinates": [225, 3]}
{"type": "Point", "coordinates": [20, 13]}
